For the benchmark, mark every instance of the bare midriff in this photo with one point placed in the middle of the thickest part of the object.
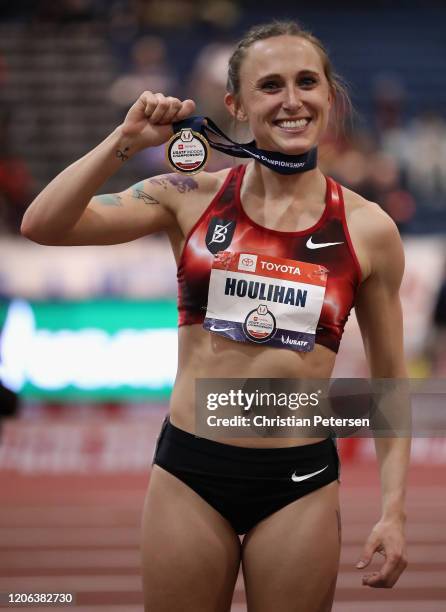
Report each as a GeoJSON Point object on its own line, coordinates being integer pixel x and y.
{"type": "Point", "coordinates": [203, 354]}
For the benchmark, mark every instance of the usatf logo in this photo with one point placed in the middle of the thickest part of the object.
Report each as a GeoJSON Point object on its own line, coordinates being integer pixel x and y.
{"type": "Point", "coordinates": [219, 234]}
{"type": "Point", "coordinates": [247, 262]}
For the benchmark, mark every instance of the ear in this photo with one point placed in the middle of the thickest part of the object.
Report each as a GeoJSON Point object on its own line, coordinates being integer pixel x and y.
{"type": "Point", "coordinates": [235, 108]}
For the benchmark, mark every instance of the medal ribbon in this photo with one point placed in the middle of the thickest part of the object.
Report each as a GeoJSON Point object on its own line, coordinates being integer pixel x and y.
{"type": "Point", "coordinates": [279, 162]}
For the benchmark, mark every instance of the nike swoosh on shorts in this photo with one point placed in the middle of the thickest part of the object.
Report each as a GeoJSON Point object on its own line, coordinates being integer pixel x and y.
{"type": "Point", "coordinates": [295, 478]}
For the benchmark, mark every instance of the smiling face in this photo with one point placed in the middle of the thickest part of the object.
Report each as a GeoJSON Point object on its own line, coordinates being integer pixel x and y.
{"type": "Point", "coordinates": [284, 94]}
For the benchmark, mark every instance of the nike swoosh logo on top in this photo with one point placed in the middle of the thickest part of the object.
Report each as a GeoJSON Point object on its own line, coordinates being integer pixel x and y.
{"type": "Point", "coordinates": [213, 328]}
{"type": "Point", "coordinates": [295, 478]}
{"type": "Point", "coordinates": [311, 245]}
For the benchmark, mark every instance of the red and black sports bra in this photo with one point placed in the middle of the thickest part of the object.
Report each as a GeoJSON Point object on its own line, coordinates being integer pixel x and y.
{"type": "Point", "coordinates": [224, 226]}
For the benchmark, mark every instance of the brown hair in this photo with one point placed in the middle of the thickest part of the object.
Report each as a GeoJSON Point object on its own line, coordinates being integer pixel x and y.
{"type": "Point", "coordinates": [342, 102]}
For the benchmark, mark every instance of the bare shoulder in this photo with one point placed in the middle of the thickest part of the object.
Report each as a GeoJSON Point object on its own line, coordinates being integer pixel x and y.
{"type": "Point", "coordinates": [367, 218]}
{"type": "Point", "coordinates": [374, 234]}
{"type": "Point", "coordinates": [186, 198]}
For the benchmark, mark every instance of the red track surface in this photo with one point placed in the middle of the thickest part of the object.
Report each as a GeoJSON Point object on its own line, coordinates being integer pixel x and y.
{"type": "Point", "coordinates": [80, 533]}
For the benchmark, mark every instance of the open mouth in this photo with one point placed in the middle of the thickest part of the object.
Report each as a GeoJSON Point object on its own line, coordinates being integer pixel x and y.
{"type": "Point", "coordinates": [293, 125]}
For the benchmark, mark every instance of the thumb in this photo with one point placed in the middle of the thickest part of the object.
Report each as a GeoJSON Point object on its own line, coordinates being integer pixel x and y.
{"type": "Point", "coordinates": [187, 108]}
{"type": "Point", "coordinates": [366, 555]}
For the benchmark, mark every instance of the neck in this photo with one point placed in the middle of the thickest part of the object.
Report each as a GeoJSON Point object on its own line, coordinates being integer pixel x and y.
{"type": "Point", "coordinates": [266, 183]}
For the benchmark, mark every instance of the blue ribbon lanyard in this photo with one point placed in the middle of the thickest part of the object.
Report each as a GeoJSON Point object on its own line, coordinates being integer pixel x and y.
{"type": "Point", "coordinates": [279, 162]}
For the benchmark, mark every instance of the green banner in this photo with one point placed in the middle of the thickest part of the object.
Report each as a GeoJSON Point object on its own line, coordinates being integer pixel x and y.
{"type": "Point", "coordinates": [96, 350]}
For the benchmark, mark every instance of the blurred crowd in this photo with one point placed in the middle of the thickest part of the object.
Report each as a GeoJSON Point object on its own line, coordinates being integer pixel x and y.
{"type": "Point", "coordinates": [181, 48]}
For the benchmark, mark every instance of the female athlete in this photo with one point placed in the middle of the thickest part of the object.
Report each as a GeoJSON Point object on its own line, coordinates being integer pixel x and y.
{"type": "Point", "coordinates": [281, 493]}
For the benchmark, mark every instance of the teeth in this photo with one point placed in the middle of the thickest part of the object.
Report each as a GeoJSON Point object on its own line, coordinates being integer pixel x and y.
{"type": "Point", "coordinates": [293, 124]}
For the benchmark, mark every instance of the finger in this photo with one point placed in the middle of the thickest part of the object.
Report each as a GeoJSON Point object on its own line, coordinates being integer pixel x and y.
{"type": "Point", "coordinates": [162, 106]}
{"type": "Point", "coordinates": [148, 103]}
{"type": "Point", "coordinates": [392, 569]}
{"type": "Point", "coordinates": [170, 114]}
{"type": "Point", "coordinates": [367, 553]}
{"type": "Point", "coordinates": [187, 108]}
{"type": "Point", "coordinates": [376, 581]}
{"type": "Point", "coordinates": [379, 579]}
{"type": "Point", "coordinates": [389, 576]}
{"type": "Point", "coordinates": [371, 580]}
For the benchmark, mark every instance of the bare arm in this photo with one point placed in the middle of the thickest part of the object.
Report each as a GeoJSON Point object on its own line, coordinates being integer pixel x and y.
{"type": "Point", "coordinates": [379, 314]}
{"type": "Point", "coordinates": [67, 211]}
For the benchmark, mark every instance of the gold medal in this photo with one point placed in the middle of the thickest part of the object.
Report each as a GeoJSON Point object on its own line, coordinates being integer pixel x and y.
{"type": "Point", "coordinates": [187, 152]}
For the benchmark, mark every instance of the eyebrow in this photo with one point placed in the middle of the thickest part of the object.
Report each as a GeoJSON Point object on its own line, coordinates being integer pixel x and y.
{"type": "Point", "coordinates": [279, 76]}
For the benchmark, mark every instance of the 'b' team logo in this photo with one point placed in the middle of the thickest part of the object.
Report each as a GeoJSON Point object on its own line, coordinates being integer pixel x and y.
{"type": "Point", "coordinates": [219, 235]}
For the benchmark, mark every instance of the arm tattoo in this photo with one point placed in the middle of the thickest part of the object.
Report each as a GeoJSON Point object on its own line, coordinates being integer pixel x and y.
{"type": "Point", "coordinates": [181, 183]}
{"type": "Point", "coordinates": [110, 199]}
{"type": "Point", "coordinates": [122, 155]}
{"type": "Point", "coordinates": [140, 194]}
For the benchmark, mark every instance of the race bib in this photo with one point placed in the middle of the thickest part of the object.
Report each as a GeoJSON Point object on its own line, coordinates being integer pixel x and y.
{"type": "Point", "coordinates": [265, 300]}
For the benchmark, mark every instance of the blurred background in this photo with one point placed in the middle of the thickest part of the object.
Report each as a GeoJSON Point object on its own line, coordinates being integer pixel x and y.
{"type": "Point", "coordinates": [88, 334]}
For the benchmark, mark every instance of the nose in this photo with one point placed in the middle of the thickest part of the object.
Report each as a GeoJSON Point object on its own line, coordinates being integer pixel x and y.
{"type": "Point", "coordinates": [292, 100]}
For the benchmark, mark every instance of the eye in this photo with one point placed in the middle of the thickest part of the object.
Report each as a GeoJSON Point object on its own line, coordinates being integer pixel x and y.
{"type": "Point", "coordinates": [270, 86]}
{"type": "Point", "coordinates": [307, 81]}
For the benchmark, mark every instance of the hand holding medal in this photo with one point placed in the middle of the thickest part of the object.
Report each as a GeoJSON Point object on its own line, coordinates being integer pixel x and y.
{"type": "Point", "coordinates": [152, 119]}
{"type": "Point", "coordinates": [149, 121]}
